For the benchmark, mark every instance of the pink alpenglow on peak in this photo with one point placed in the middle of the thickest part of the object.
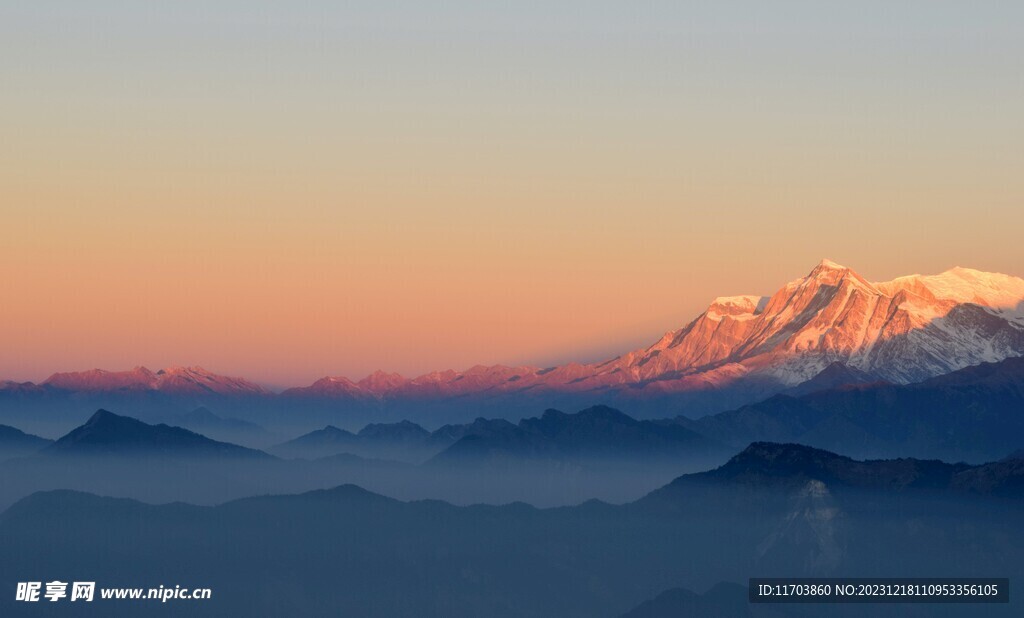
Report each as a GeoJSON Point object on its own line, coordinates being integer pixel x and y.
{"type": "Point", "coordinates": [737, 307]}
{"type": "Point", "coordinates": [177, 380]}
{"type": "Point", "coordinates": [827, 263]}
{"type": "Point", "coordinates": [382, 381]}
{"type": "Point", "coordinates": [903, 330]}
{"type": "Point", "coordinates": [102, 380]}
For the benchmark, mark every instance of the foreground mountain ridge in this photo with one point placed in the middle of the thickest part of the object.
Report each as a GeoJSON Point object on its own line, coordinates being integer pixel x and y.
{"type": "Point", "coordinates": [774, 508]}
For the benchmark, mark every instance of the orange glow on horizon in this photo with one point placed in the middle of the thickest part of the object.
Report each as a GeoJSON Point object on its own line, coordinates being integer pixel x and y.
{"type": "Point", "coordinates": [333, 191]}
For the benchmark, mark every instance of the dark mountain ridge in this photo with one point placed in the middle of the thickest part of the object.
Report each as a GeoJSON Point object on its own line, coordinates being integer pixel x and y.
{"type": "Point", "coordinates": [15, 442]}
{"type": "Point", "coordinates": [836, 375]}
{"type": "Point", "coordinates": [106, 433]}
{"type": "Point", "coordinates": [972, 414]}
{"type": "Point", "coordinates": [768, 464]}
{"type": "Point", "coordinates": [366, 554]}
{"type": "Point", "coordinates": [596, 432]}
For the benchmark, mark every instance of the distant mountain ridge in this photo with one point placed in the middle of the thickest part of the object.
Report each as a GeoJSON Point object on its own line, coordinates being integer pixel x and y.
{"type": "Point", "coordinates": [598, 432]}
{"type": "Point", "coordinates": [225, 429]}
{"type": "Point", "coordinates": [14, 442]}
{"type": "Point", "coordinates": [117, 455]}
{"type": "Point", "coordinates": [106, 433]}
{"type": "Point", "coordinates": [902, 330]}
{"type": "Point", "coordinates": [405, 441]}
{"type": "Point", "coordinates": [176, 380]}
{"type": "Point", "coordinates": [741, 349]}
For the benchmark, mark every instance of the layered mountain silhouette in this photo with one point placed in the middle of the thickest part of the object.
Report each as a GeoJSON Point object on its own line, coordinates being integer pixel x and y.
{"type": "Point", "coordinates": [599, 453]}
{"type": "Point", "coordinates": [599, 432]}
{"type": "Point", "coordinates": [319, 443]}
{"type": "Point", "coordinates": [106, 433]}
{"type": "Point", "coordinates": [774, 508]}
{"type": "Point", "coordinates": [203, 421]}
{"type": "Point", "coordinates": [403, 441]}
{"type": "Point", "coordinates": [15, 443]}
{"type": "Point", "coordinates": [918, 382]}
{"type": "Point", "coordinates": [782, 466]}
{"type": "Point", "coordinates": [742, 348]}
{"type": "Point", "coordinates": [112, 454]}
{"type": "Point", "coordinates": [404, 431]}
{"type": "Point", "coordinates": [972, 414]}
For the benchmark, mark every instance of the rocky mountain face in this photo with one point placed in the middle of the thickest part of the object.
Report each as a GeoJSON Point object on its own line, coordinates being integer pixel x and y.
{"type": "Point", "coordinates": [901, 331]}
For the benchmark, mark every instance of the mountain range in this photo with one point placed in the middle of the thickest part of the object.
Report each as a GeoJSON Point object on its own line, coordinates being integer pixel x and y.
{"type": "Point", "coordinates": [968, 415]}
{"type": "Point", "coordinates": [555, 459]}
{"type": "Point", "coordinates": [973, 414]}
{"type": "Point", "coordinates": [741, 349]}
{"type": "Point", "coordinates": [403, 441]}
{"type": "Point", "coordinates": [225, 429]}
{"type": "Point", "coordinates": [792, 466]}
{"type": "Point", "coordinates": [174, 380]}
{"type": "Point", "coordinates": [902, 331]}
{"type": "Point", "coordinates": [15, 443]}
{"type": "Point", "coordinates": [599, 433]}
{"type": "Point", "coordinates": [774, 508]}
{"type": "Point", "coordinates": [106, 434]}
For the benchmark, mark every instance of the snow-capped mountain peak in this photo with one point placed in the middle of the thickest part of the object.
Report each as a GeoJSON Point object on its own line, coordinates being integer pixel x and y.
{"type": "Point", "coordinates": [903, 330]}
{"type": "Point", "coordinates": [906, 329]}
{"type": "Point", "coordinates": [964, 285]}
{"type": "Point", "coordinates": [176, 380]}
{"type": "Point", "coordinates": [737, 307]}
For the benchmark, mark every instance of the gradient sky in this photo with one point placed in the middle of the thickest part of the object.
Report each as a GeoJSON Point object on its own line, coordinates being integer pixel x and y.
{"type": "Point", "coordinates": [290, 190]}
